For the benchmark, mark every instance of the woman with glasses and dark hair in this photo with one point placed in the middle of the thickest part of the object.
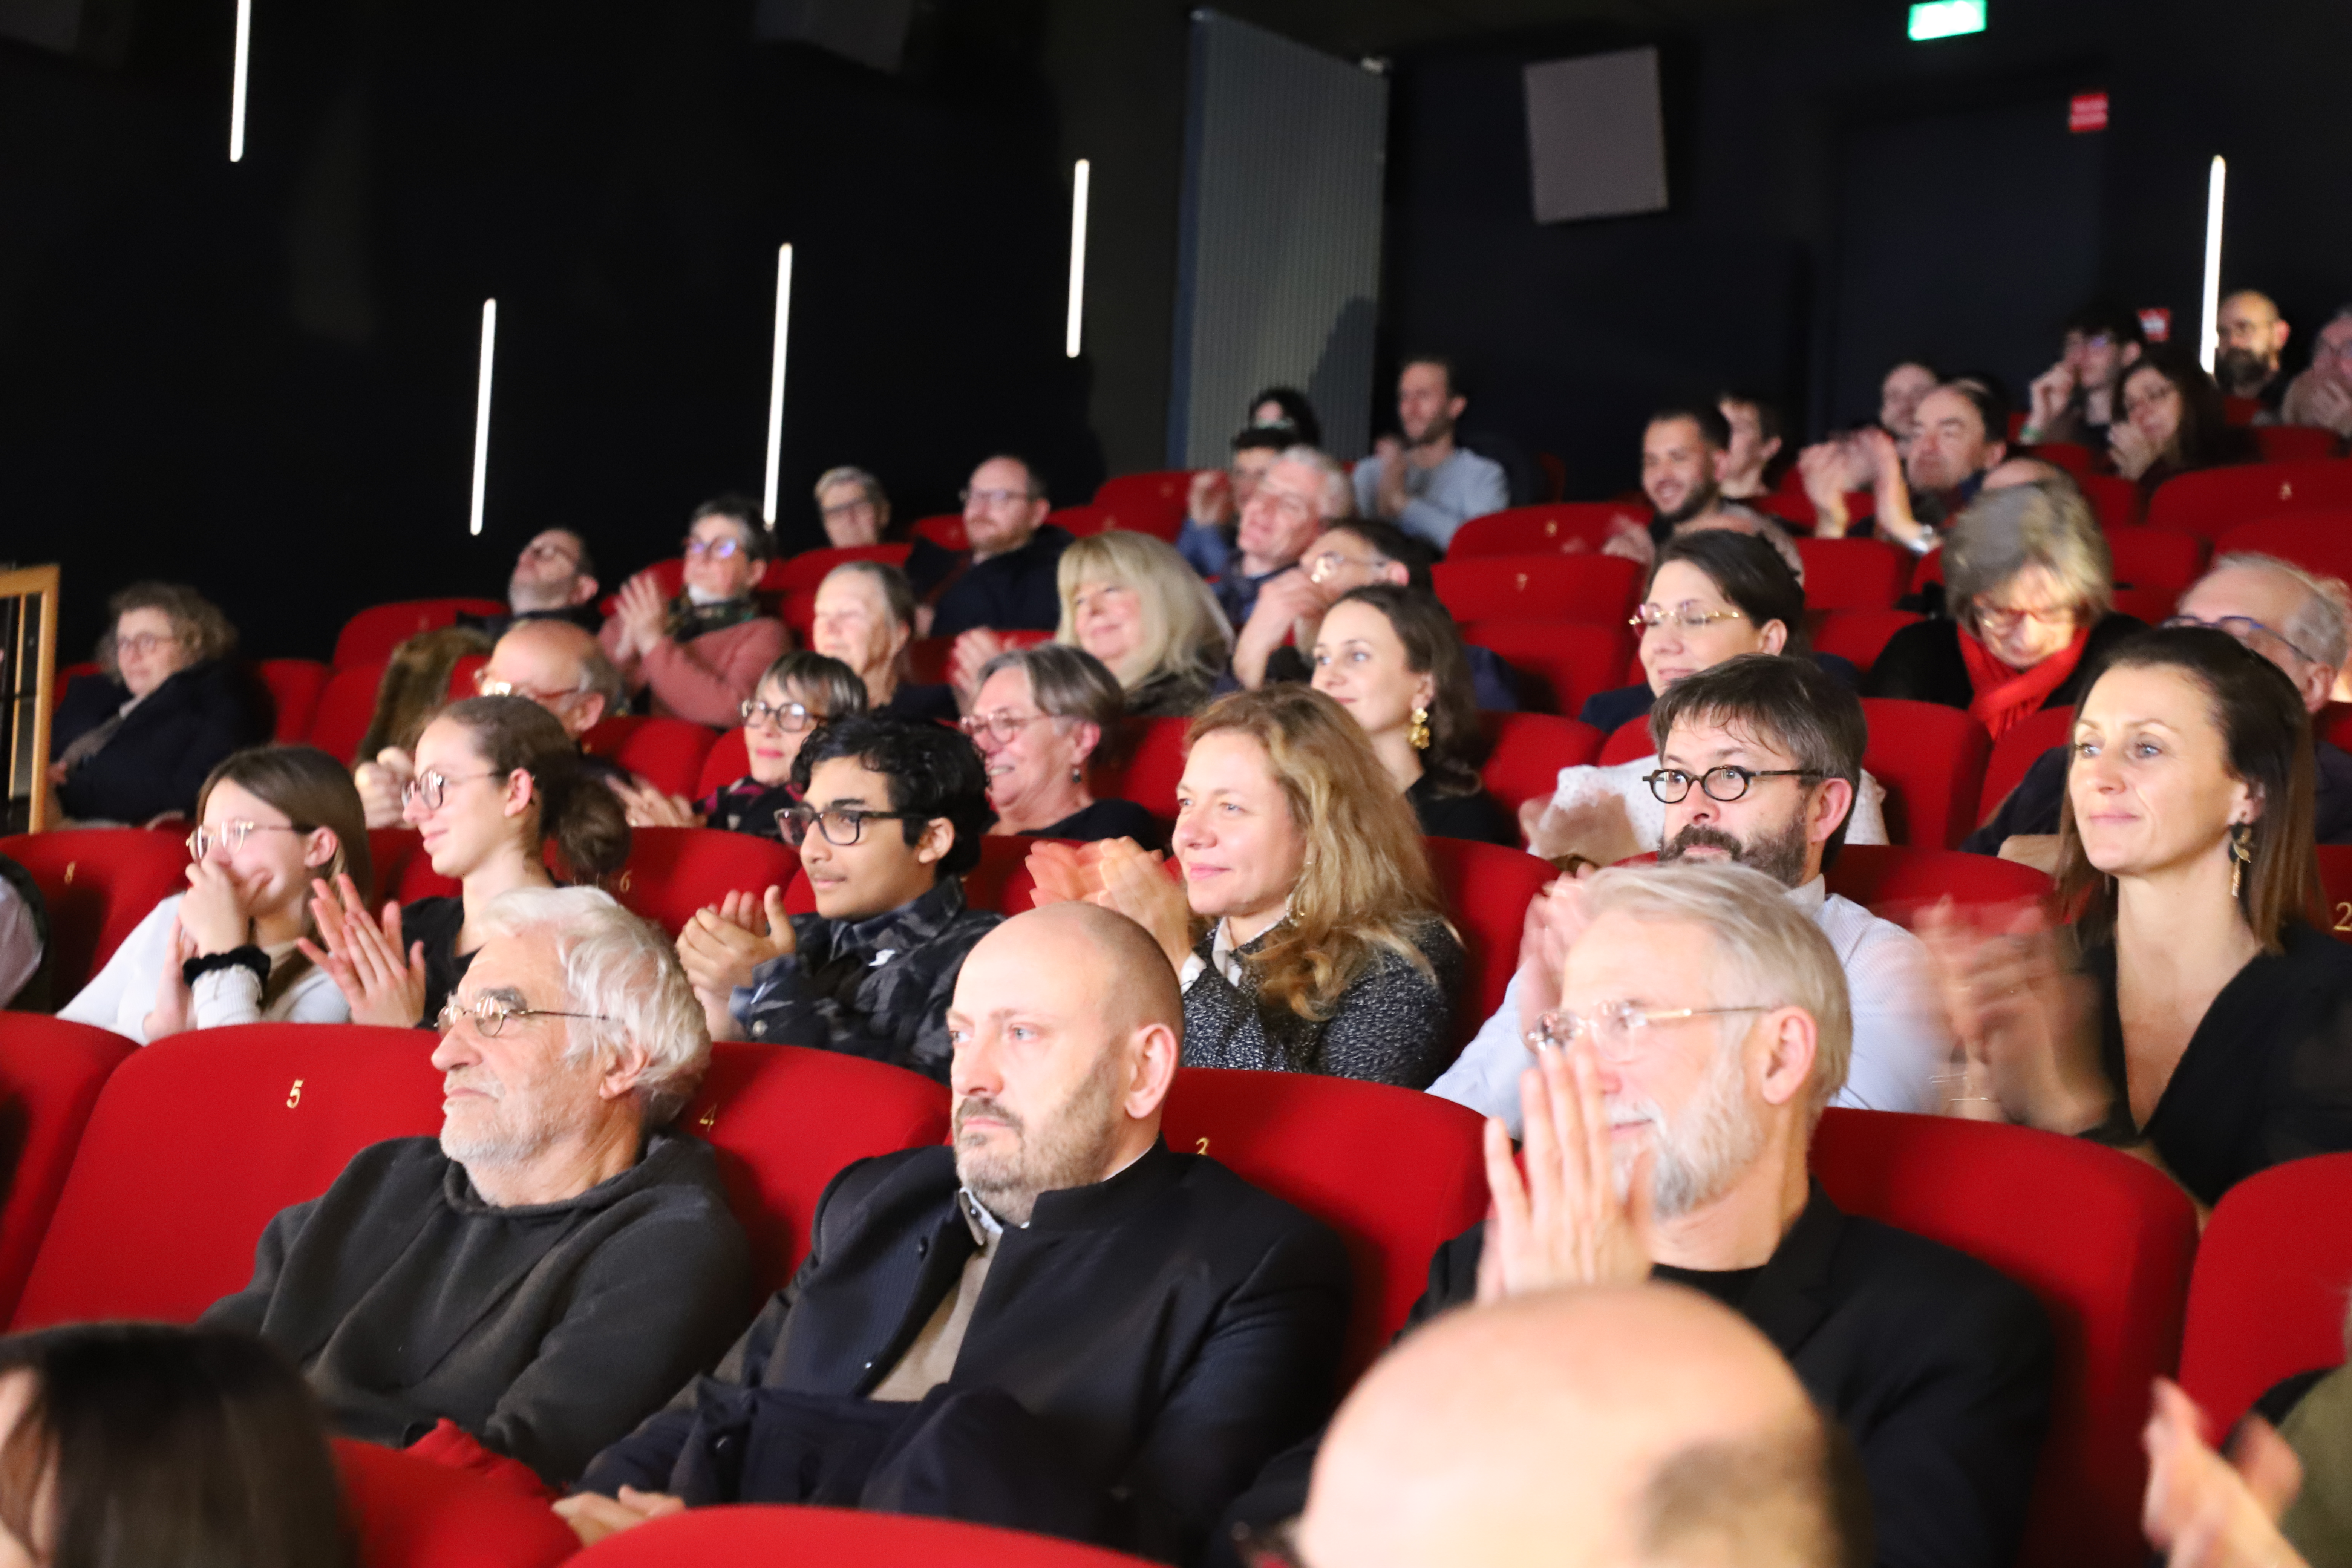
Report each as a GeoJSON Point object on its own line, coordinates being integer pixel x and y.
{"type": "Point", "coordinates": [2175, 421]}
{"type": "Point", "coordinates": [799, 692]}
{"type": "Point", "coordinates": [136, 741]}
{"type": "Point", "coordinates": [497, 778]}
{"type": "Point", "coordinates": [228, 951]}
{"type": "Point", "coordinates": [701, 654]}
{"type": "Point", "coordinates": [1039, 717]}
{"type": "Point", "coordinates": [889, 819]}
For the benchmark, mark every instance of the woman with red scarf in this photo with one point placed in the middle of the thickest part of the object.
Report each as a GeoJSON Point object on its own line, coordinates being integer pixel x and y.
{"type": "Point", "coordinates": [2030, 587]}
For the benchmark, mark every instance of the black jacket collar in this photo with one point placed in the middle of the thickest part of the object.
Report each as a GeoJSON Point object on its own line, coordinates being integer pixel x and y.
{"type": "Point", "coordinates": [1789, 1297]}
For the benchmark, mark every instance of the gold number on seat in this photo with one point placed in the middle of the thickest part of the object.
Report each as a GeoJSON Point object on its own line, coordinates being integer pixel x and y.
{"type": "Point", "coordinates": [709, 1119]}
{"type": "Point", "coordinates": [2344, 916]}
{"type": "Point", "coordinates": [623, 884]}
{"type": "Point", "coordinates": [69, 871]}
{"type": "Point", "coordinates": [294, 1095]}
{"type": "Point", "coordinates": [1523, 582]}
{"type": "Point", "coordinates": [1201, 1147]}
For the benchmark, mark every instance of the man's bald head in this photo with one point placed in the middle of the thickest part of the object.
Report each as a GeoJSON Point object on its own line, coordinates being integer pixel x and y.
{"type": "Point", "coordinates": [561, 667]}
{"type": "Point", "coordinates": [1602, 1427]}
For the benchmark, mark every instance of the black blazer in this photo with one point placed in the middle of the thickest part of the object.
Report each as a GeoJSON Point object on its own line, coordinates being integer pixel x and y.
{"type": "Point", "coordinates": [1923, 662]}
{"type": "Point", "coordinates": [1937, 1365]}
{"type": "Point", "coordinates": [157, 761]}
{"type": "Point", "coordinates": [1174, 1324]}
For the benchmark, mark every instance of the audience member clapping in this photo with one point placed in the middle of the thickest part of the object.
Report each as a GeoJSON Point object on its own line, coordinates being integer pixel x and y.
{"type": "Point", "coordinates": [495, 779]}
{"type": "Point", "coordinates": [2079, 399]}
{"type": "Point", "coordinates": [2251, 1509]}
{"type": "Point", "coordinates": [1899, 395]}
{"type": "Point", "coordinates": [799, 692]}
{"type": "Point", "coordinates": [1007, 581]}
{"type": "Point", "coordinates": [2250, 336]}
{"type": "Point", "coordinates": [889, 819]}
{"type": "Point", "coordinates": [269, 820]}
{"type": "Point", "coordinates": [1683, 455]}
{"type": "Point", "coordinates": [2197, 1011]}
{"type": "Point", "coordinates": [144, 1444]}
{"type": "Point", "coordinates": [699, 655]}
{"type": "Point", "coordinates": [556, 1263]}
{"type": "Point", "coordinates": [1041, 715]}
{"type": "Point", "coordinates": [1304, 492]}
{"type": "Point", "coordinates": [1129, 600]}
{"type": "Point", "coordinates": [865, 616]}
{"type": "Point", "coordinates": [2173, 422]}
{"type": "Point", "coordinates": [1306, 929]}
{"type": "Point", "coordinates": [1390, 657]}
{"type": "Point", "coordinates": [1213, 505]}
{"type": "Point", "coordinates": [136, 741]}
{"type": "Point", "coordinates": [852, 505]}
{"type": "Point", "coordinates": [2322, 396]}
{"type": "Point", "coordinates": [1426, 482]}
{"type": "Point", "coordinates": [1961, 431]}
{"type": "Point", "coordinates": [2030, 588]}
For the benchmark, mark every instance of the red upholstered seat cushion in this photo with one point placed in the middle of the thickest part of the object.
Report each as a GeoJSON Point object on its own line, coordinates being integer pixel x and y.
{"type": "Point", "coordinates": [1590, 587]}
{"type": "Point", "coordinates": [1487, 891]}
{"type": "Point", "coordinates": [673, 871]}
{"type": "Point", "coordinates": [370, 637]}
{"type": "Point", "coordinates": [1895, 881]}
{"type": "Point", "coordinates": [1529, 750]}
{"type": "Point", "coordinates": [1568, 528]}
{"type": "Point", "coordinates": [1559, 663]}
{"type": "Point", "coordinates": [729, 759]}
{"type": "Point", "coordinates": [833, 1538]}
{"type": "Point", "coordinates": [1000, 881]}
{"type": "Point", "coordinates": [295, 685]}
{"type": "Point", "coordinates": [345, 708]}
{"type": "Point", "coordinates": [409, 1513]}
{"type": "Point", "coordinates": [98, 884]}
{"type": "Point", "coordinates": [2211, 500]}
{"type": "Point", "coordinates": [1931, 759]}
{"type": "Point", "coordinates": [1148, 764]}
{"type": "Point", "coordinates": [807, 569]}
{"type": "Point", "coordinates": [665, 752]}
{"type": "Point", "coordinates": [1853, 574]}
{"type": "Point", "coordinates": [2273, 1272]}
{"type": "Point", "coordinates": [51, 1073]}
{"type": "Point", "coordinates": [2014, 754]}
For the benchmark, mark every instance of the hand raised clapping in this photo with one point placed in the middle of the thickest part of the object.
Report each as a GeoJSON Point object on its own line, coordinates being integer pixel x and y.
{"type": "Point", "coordinates": [364, 958]}
{"type": "Point", "coordinates": [1567, 1223]}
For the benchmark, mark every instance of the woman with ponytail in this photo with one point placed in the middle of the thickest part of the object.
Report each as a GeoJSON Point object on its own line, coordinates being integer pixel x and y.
{"type": "Point", "coordinates": [497, 778]}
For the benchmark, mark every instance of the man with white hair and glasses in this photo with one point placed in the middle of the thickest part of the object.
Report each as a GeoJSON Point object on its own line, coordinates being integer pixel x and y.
{"type": "Point", "coordinates": [1670, 1099]}
{"type": "Point", "coordinates": [546, 1273]}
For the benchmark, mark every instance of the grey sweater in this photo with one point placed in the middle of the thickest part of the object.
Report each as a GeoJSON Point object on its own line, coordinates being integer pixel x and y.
{"type": "Point", "coordinates": [546, 1331]}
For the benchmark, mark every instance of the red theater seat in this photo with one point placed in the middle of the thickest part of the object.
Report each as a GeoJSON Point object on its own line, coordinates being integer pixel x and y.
{"type": "Point", "coordinates": [409, 1513]}
{"type": "Point", "coordinates": [1333, 1147]}
{"type": "Point", "coordinates": [345, 708]}
{"type": "Point", "coordinates": [1567, 527]}
{"type": "Point", "coordinates": [391, 853]}
{"type": "Point", "coordinates": [2102, 1239]}
{"type": "Point", "coordinates": [665, 752]}
{"type": "Point", "coordinates": [1529, 750]}
{"type": "Point", "coordinates": [1852, 574]}
{"type": "Point", "coordinates": [946, 531]}
{"type": "Point", "coordinates": [739, 1536]}
{"type": "Point", "coordinates": [99, 883]}
{"type": "Point", "coordinates": [2158, 561]}
{"type": "Point", "coordinates": [2273, 1271]}
{"type": "Point", "coordinates": [2318, 541]}
{"type": "Point", "coordinates": [2115, 500]}
{"type": "Point", "coordinates": [2296, 443]}
{"type": "Point", "coordinates": [1080, 522]}
{"type": "Point", "coordinates": [1549, 587]}
{"type": "Point", "coordinates": [50, 1075]}
{"type": "Point", "coordinates": [808, 569]}
{"type": "Point", "coordinates": [1000, 881]}
{"type": "Point", "coordinates": [1150, 767]}
{"type": "Point", "coordinates": [673, 871]}
{"type": "Point", "coordinates": [729, 759]}
{"type": "Point", "coordinates": [198, 1141]}
{"type": "Point", "coordinates": [1559, 663]}
{"type": "Point", "coordinates": [1626, 742]}
{"type": "Point", "coordinates": [2336, 887]}
{"type": "Point", "coordinates": [370, 637]}
{"type": "Point", "coordinates": [1486, 889]}
{"type": "Point", "coordinates": [1859, 635]}
{"type": "Point", "coordinates": [1931, 759]}
{"type": "Point", "coordinates": [1154, 503]}
{"type": "Point", "coordinates": [1895, 882]}
{"type": "Point", "coordinates": [2072, 456]}
{"type": "Point", "coordinates": [464, 676]}
{"type": "Point", "coordinates": [294, 685]}
{"type": "Point", "coordinates": [2214, 500]}
{"type": "Point", "coordinates": [2020, 749]}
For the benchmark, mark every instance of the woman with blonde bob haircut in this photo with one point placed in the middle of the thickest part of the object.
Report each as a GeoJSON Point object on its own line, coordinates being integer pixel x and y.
{"type": "Point", "coordinates": [1129, 600]}
{"type": "Point", "coordinates": [1306, 932]}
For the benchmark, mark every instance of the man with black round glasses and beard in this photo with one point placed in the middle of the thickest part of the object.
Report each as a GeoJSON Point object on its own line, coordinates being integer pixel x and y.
{"type": "Point", "coordinates": [1758, 762]}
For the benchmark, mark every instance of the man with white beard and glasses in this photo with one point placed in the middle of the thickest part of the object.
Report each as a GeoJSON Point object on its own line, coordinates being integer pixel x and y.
{"type": "Point", "coordinates": [1670, 1100]}
{"type": "Point", "coordinates": [1057, 1323]}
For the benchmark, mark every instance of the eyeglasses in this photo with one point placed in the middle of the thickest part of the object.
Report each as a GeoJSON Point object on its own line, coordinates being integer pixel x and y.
{"type": "Point", "coordinates": [490, 1014]}
{"type": "Point", "coordinates": [716, 549]}
{"type": "Point", "coordinates": [1615, 1029]}
{"type": "Point", "coordinates": [791, 717]}
{"type": "Point", "coordinates": [433, 788]}
{"type": "Point", "coordinates": [2163, 392]}
{"type": "Point", "coordinates": [2245, 628]}
{"type": "Point", "coordinates": [991, 499]}
{"type": "Point", "coordinates": [1331, 563]}
{"type": "Point", "coordinates": [141, 643]}
{"type": "Point", "coordinates": [1686, 614]}
{"type": "Point", "coordinates": [844, 507]}
{"type": "Point", "coordinates": [489, 688]}
{"type": "Point", "coordinates": [1726, 783]}
{"type": "Point", "coordinates": [2006, 616]}
{"type": "Point", "coordinates": [232, 835]}
{"type": "Point", "coordinates": [1000, 725]}
{"type": "Point", "coordinates": [550, 552]}
{"type": "Point", "coordinates": [1284, 501]}
{"type": "Point", "coordinates": [841, 824]}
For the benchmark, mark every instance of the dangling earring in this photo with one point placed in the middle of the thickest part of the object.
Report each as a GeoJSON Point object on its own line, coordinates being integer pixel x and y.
{"type": "Point", "coordinates": [1418, 735]}
{"type": "Point", "coordinates": [2241, 855]}
{"type": "Point", "coordinates": [1077, 776]}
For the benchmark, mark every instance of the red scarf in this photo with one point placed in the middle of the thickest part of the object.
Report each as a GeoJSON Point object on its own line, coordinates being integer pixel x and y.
{"type": "Point", "coordinates": [2005, 696]}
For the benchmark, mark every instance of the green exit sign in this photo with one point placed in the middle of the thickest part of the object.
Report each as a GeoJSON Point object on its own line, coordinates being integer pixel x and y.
{"type": "Point", "coordinates": [1946, 19]}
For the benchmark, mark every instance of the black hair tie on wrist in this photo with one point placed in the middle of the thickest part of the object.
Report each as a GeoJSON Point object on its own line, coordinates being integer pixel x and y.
{"type": "Point", "coordinates": [247, 957]}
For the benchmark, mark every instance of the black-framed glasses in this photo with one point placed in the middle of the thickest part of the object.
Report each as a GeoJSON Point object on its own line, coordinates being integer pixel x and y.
{"type": "Point", "coordinates": [1000, 725]}
{"type": "Point", "coordinates": [720, 549]}
{"type": "Point", "coordinates": [2245, 628]}
{"type": "Point", "coordinates": [841, 824]}
{"type": "Point", "coordinates": [791, 717]}
{"type": "Point", "coordinates": [232, 835]}
{"type": "Point", "coordinates": [433, 788]}
{"type": "Point", "coordinates": [1725, 783]}
{"type": "Point", "coordinates": [490, 1014]}
{"type": "Point", "coordinates": [1616, 1028]}
{"type": "Point", "coordinates": [1686, 614]}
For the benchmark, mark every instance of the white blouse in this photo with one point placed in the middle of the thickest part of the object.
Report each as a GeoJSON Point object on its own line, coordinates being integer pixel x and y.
{"type": "Point", "coordinates": [1591, 784]}
{"type": "Point", "coordinates": [123, 994]}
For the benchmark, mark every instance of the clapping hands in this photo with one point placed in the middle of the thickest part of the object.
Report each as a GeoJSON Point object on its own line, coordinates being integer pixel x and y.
{"type": "Point", "coordinates": [1568, 1222]}
{"type": "Point", "coordinates": [364, 958]}
{"type": "Point", "coordinates": [1119, 874]}
{"type": "Point", "coordinates": [725, 942]}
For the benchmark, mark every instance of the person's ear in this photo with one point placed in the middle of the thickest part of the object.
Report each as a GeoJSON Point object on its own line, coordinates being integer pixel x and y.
{"type": "Point", "coordinates": [2128, 355]}
{"type": "Point", "coordinates": [1832, 799]}
{"type": "Point", "coordinates": [938, 838]}
{"type": "Point", "coordinates": [1455, 405]}
{"type": "Point", "coordinates": [1774, 636]}
{"type": "Point", "coordinates": [627, 1066]}
{"type": "Point", "coordinates": [319, 848]}
{"type": "Point", "coordinates": [591, 709]}
{"type": "Point", "coordinates": [1720, 464]}
{"type": "Point", "coordinates": [2250, 804]}
{"type": "Point", "coordinates": [1768, 450]}
{"type": "Point", "coordinates": [1397, 573]}
{"type": "Point", "coordinates": [583, 588]}
{"type": "Point", "coordinates": [1995, 453]}
{"type": "Point", "coordinates": [1154, 1051]}
{"type": "Point", "coordinates": [2318, 686]}
{"type": "Point", "coordinates": [900, 636]}
{"type": "Point", "coordinates": [1424, 692]}
{"type": "Point", "coordinates": [514, 799]}
{"type": "Point", "coordinates": [1085, 735]}
{"type": "Point", "coordinates": [1792, 1043]}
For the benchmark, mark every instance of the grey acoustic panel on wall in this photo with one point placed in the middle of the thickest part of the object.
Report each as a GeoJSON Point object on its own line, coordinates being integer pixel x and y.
{"type": "Point", "coordinates": [1596, 136]}
{"type": "Point", "coordinates": [1278, 263]}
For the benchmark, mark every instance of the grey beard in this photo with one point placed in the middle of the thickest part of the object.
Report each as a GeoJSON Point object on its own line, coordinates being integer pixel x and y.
{"type": "Point", "coordinates": [1069, 1149]}
{"type": "Point", "coordinates": [1699, 1154]}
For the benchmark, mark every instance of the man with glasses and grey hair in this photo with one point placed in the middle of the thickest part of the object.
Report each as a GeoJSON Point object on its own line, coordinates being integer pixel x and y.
{"type": "Point", "coordinates": [1304, 492]}
{"type": "Point", "coordinates": [852, 506]}
{"type": "Point", "coordinates": [545, 1273]}
{"type": "Point", "coordinates": [1699, 1025]}
{"type": "Point", "coordinates": [2298, 621]}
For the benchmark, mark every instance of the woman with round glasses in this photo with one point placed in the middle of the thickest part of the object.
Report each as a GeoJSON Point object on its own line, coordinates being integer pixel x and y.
{"type": "Point", "coordinates": [865, 616]}
{"type": "Point", "coordinates": [228, 951]}
{"type": "Point", "coordinates": [136, 741]}
{"type": "Point", "coordinates": [1714, 596]}
{"type": "Point", "coordinates": [2030, 589]}
{"type": "Point", "coordinates": [701, 654]}
{"type": "Point", "coordinates": [1040, 715]}
{"type": "Point", "coordinates": [497, 778]}
{"type": "Point", "coordinates": [799, 692]}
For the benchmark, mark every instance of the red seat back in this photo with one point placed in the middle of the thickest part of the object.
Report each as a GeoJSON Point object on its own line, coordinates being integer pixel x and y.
{"type": "Point", "coordinates": [1859, 635]}
{"type": "Point", "coordinates": [2316, 541]}
{"type": "Point", "coordinates": [1154, 503]}
{"type": "Point", "coordinates": [1567, 527]}
{"type": "Point", "coordinates": [1333, 1146]}
{"type": "Point", "coordinates": [99, 883]}
{"type": "Point", "coordinates": [1486, 889]}
{"type": "Point", "coordinates": [2115, 500]}
{"type": "Point", "coordinates": [1627, 741]}
{"type": "Point", "coordinates": [808, 569]}
{"type": "Point", "coordinates": [2212, 501]}
{"type": "Point", "coordinates": [1559, 663]}
{"type": "Point", "coordinates": [2072, 456]}
{"type": "Point", "coordinates": [1896, 882]}
{"type": "Point", "coordinates": [391, 853]}
{"type": "Point", "coordinates": [1080, 522]}
{"type": "Point", "coordinates": [785, 1120]}
{"type": "Point", "coordinates": [2336, 887]}
{"type": "Point", "coordinates": [834, 1538]}
{"type": "Point", "coordinates": [946, 531]}
{"type": "Point", "coordinates": [2019, 750]}
{"type": "Point", "coordinates": [2273, 1274]}
{"type": "Point", "coordinates": [673, 871]}
{"type": "Point", "coordinates": [1529, 750]}
{"type": "Point", "coordinates": [50, 1075]}
{"type": "Point", "coordinates": [1590, 587]}
{"type": "Point", "coordinates": [198, 1141]}
{"type": "Point", "coordinates": [345, 708]}
{"type": "Point", "coordinates": [729, 759]}
{"type": "Point", "coordinates": [465, 675]}
{"type": "Point", "coordinates": [370, 637]}
{"type": "Point", "coordinates": [2153, 567]}
{"type": "Point", "coordinates": [1000, 881]}
{"type": "Point", "coordinates": [2296, 443]}
{"type": "Point", "coordinates": [1150, 767]}
{"type": "Point", "coordinates": [409, 1513]}
{"type": "Point", "coordinates": [294, 688]}
{"type": "Point", "coordinates": [2109, 1263]}
{"type": "Point", "coordinates": [1931, 759]}
{"type": "Point", "coordinates": [1853, 574]}
{"type": "Point", "coordinates": [665, 752]}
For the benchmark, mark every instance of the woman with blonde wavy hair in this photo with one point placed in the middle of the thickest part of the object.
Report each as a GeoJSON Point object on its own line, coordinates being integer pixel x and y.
{"type": "Point", "coordinates": [1306, 929]}
{"type": "Point", "coordinates": [1129, 600]}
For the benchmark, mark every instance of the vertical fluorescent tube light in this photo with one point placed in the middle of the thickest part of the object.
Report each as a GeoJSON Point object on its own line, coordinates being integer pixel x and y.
{"type": "Point", "coordinates": [482, 408]}
{"type": "Point", "coordinates": [776, 380]}
{"type": "Point", "coordinates": [1077, 258]}
{"type": "Point", "coordinates": [236, 81]}
{"type": "Point", "coordinates": [2214, 189]}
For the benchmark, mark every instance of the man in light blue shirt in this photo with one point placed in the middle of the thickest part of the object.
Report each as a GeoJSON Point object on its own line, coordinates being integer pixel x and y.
{"type": "Point", "coordinates": [1425, 484]}
{"type": "Point", "coordinates": [1758, 759]}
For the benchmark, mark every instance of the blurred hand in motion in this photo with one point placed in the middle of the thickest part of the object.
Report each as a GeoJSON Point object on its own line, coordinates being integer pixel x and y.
{"type": "Point", "coordinates": [2202, 1511]}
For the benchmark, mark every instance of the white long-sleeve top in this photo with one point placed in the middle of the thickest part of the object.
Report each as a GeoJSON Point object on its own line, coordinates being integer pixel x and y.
{"type": "Point", "coordinates": [123, 994]}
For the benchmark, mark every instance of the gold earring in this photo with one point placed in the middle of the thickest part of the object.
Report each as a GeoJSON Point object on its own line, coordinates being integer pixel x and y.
{"type": "Point", "coordinates": [1418, 735]}
{"type": "Point", "coordinates": [2241, 855]}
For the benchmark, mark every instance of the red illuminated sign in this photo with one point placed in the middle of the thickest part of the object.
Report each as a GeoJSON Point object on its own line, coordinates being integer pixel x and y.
{"type": "Point", "coordinates": [2086, 112]}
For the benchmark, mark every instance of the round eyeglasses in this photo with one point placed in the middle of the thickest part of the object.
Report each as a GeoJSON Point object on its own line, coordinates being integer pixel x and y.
{"type": "Point", "coordinates": [1616, 1028]}
{"type": "Point", "coordinates": [232, 835]}
{"type": "Point", "coordinates": [433, 788]}
{"type": "Point", "coordinates": [718, 549]}
{"type": "Point", "coordinates": [842, 826]}
{"type": "Point", "coordinates": [789, 717]}
{"type": "Point", "coordinates": [1726, 782]}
